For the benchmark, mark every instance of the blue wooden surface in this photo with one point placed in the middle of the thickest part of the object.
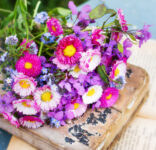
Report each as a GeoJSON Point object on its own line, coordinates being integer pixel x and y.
{"type": "Point", "coordinates": [137, 12]}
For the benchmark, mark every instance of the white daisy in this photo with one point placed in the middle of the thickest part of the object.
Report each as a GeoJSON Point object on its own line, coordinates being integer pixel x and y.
{"type": "Point", "coordinates": [118, 70]}
{"type": "Point", "coordinates": [24, 85]}
{"type": "Point", "coordinates": [47, 98]}
{"type": "Point", "coordinates": [90, 60]}
{"type": "Point", "coordinates": [31, 122]}
{"type": "Point", "coordinates": [93, 94]}
{"type": "Point", "coordinates": [26, 106]}
{"type": "Point", "coordinates": [76, 71]}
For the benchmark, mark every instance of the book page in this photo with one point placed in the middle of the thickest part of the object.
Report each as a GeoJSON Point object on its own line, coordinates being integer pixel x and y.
{"type": "Point", "coordinates": [145, 57]}
{"type": "Point", "coordinates": [139, 135]}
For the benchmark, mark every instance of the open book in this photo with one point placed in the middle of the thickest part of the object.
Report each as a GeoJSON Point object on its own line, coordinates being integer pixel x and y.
{"type": "Point", "coordinates": [141, 133]}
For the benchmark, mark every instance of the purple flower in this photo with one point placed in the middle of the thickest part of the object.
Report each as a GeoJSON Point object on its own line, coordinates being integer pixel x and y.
{"type": "Point", "coordinates": [110, 47]}
{"type": "Point", "coordinates": [72, 7]}
{"type": "Point", "coordinates": [127, 44]}
{"type": "Point", "coordinates": [93, 79]}
{"type": "Point", "coordinates": [6, 102]}
{"type": "Point", "coordinates": [84, 14]}
{"type": "Point", "coordinates": [143, 35]}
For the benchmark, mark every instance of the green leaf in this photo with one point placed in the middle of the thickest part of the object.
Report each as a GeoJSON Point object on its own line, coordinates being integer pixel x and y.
{"type": "Point", "coordinates": [102, 72]}
{"type": "Point", "coordinates": [120, 47]}
{"type": "Point", "coordinates": [60, 11]}
{"type": "Point", "coordinates": [7, 20]}
{"type": "Point", "coordinates": [98, 12]}
{"type": "Point", "coordinates": [111, 11]}
{"type": "Point", "coordinates": [132, 37]}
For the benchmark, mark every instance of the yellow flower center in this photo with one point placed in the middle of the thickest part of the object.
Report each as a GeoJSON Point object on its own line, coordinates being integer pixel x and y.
{"type": "Point", "coordinates": [69, 51]}
{"type": "Point", "coordinates": [91, 59]}
{"type": "Point", "coordinates": [117, 71]}
{"type": "Point", "coordinates": [31, 121]}
{"type": "Point", "coordinates": [53, 28]}
{"type": "Point", "coordinates": [25, 104]}
{"type": "Point", "coordinates": [46, 97]}
{"type": "Point", "coordinates": [109, 97]}
{"type": "Point", "coordinates": [28, 65]}
{"type": "Point", "coordinates": [76, 106]}
{"type": "Point", "coordinates": [76, 69]}
{"type": "Point", "coordinates": [24, 84]}
{"type": "Point", "coordinates": [91, 92]}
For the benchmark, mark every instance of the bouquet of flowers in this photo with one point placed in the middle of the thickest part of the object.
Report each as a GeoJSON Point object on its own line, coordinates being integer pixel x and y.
{"type": "Point", "coordinates": [55, 70]}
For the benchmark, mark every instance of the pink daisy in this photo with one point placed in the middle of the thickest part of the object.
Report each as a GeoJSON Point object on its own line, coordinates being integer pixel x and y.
{"type": "Point", "coordinates": [47, 98]}
{"type": "Point", "coordinates": [31, 122]}
{"type": "Point", "coordinates": [11, 119]}
{"type": "Point", "coordinates": [26, 106]}
{"type": "Point", "coordinates": [117, 36]}
{"type": "Point", "coordinates": [90, 60]}
{"type": "Point", "coordinates": [24, 85]}
{"type": "Point", "coordinates": [75, 109]}
{"type": "Point", "coordinates": [68, 50]}
{"type": "Point", "coordinates": [98, 37]}
{"type": "Point", "coordinates": [118, 69]}
{"type": "Point", "coordinates": [122, 20]}
{"type": "Point", "coordinates": [29, 64]}
{"type": "Point", "coordinates": [109, 97]}
{"type": "Point", "coordinates": [54, 27]}
{"type": "Point", "coordinates": [60, 65]}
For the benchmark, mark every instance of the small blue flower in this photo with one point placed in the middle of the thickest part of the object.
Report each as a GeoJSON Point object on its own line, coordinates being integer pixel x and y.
{"type": "Point", "coordinates": [41, 17]}
{"type": "Point", "coordinates": [33, 48]}
{"type": "Point", "coordinates": [43, 78]}
{"type": "Point", "coordinates": [3, 57]}
{"type": "Point", "coordinates": [11, 40]}
{"type": "Point", "coordinates": [55, 122]}
{"type": "Point", "coordinates": [44, 70]}
{"type": "Point", "coordinates": [47, 38]}
{"type": "Point", "coordinates": [9, 81]}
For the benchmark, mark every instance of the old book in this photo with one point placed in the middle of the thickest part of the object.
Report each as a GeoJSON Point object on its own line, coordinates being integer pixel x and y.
{"type": "Point", "coordinates": [95, 129]}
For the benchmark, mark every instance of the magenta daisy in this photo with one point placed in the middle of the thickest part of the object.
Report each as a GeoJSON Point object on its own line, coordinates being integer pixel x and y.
{"type": "Point", "coordinates": [24, 85]}
{"type": "Point", "coordinates": [98, 37]}
{"type": "Point", "coordinates": [122, 20]}
{"type": "Point", "coordinates": [29, 64]}
{"type": "Point", "coordinates": [54, 27]}
{"type": "Point", "coordinates": [47, 98]}
{"type": "Point", "coordinates": [90, 60]}
{"type": "Point", "coordinates": [109, 97]}
{"type": "Point", "coordinates": [11, 119]}
{"type": "Point", "coordinates": [68, 50]}
{"type": "Point", "coordinates": [118, 69]}
{"type": "Point", "coordinates": [31, 122]}
{"type": "Point", "coordinates": [26, 106]}
{"type": "Point", "coordinates": [75, 109]}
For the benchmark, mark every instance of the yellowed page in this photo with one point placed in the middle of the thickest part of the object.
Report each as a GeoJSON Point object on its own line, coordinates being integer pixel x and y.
{"type": "Point", "coordinates": [146, 58]}
{"type": "Point", "coordinates": [140, 135]}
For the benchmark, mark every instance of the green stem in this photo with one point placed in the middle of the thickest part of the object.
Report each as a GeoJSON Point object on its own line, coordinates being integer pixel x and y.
{"type": "Point", "coordinates": [5, 10]}
{"type": "Point", "coordinates": [35, 12]}
{"type": "Point", "coordinates": [41, 46]}
{"type": "Point", "coordinates": [105, 22]}
{"type": "Point", "coordinates": [1, 82]}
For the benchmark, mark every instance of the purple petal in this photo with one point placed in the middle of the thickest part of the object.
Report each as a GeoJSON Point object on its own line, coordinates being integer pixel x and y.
{"type": "Point", "coordinates": [59, 115]}
{"type": "Point", "coordinates": [86, 8]}
{"type": "Point", "coordinates": [72, 7]}
{"type": "Point", "coordinates": [68, 87]}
